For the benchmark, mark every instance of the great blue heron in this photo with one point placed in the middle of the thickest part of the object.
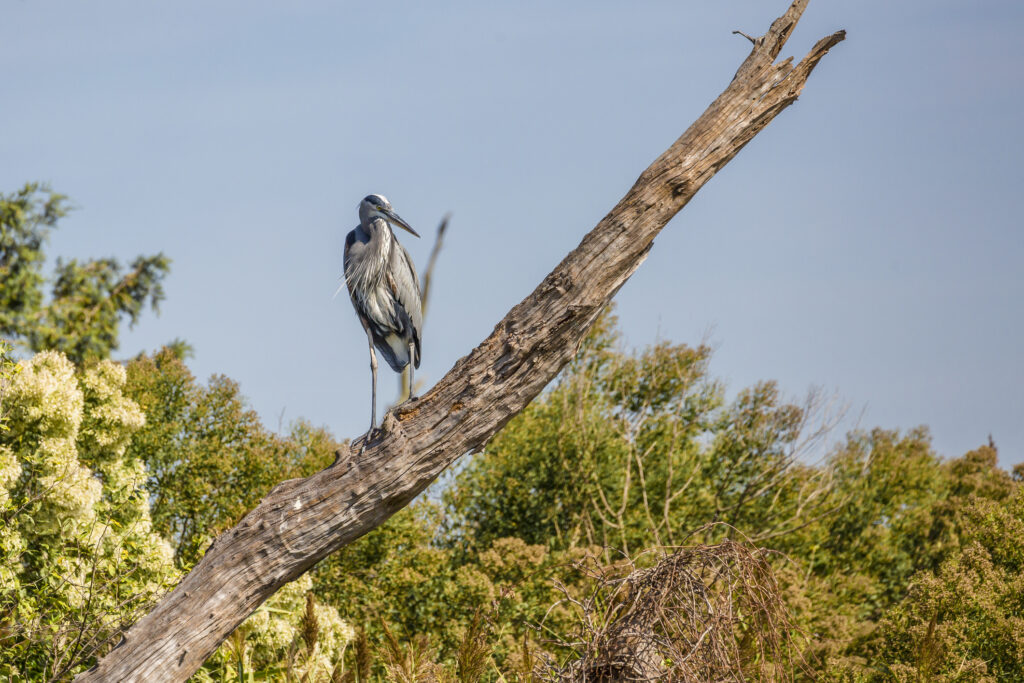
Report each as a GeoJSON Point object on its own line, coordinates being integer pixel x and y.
{"type": "Point", "coordinates": [385, 291]}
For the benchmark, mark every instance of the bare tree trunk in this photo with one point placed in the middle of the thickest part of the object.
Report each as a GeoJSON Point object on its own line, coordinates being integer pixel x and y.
{"type": "Point", "coordinates": [302, 521]}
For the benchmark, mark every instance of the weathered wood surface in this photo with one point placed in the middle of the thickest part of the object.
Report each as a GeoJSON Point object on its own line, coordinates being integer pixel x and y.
{"type": "Point", "coordinates": [302, 521]}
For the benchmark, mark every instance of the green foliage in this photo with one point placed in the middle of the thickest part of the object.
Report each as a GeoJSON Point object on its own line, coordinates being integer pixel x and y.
{"type": "Point", "coordinates": [26, 218]}
{"type": "Point", "coordinates": [853, 562]}
{"type": "Point", "coordinates": [888, 487]}
{"type": "Point", "coordinates": [88, 299]}
{"type": "Point", "coordinates": [964, 620]}
{"type": "Point", "coordinates": [398, 558]}
{"type": "Point", "coordinates": [210, 459]}
{"type": "Point", "coordinates": [928, 588]}
{"type": "Point", "coordinates": [78, 555]}
{"type": "Point", "coordinates": [81, 551]}
{"type": "Point", "coordinates": [905, 514]}
{"type": "Point", "coordinates": [399, 577]}
{"type": "Point", "coordinates": [897, 565]}
{"type": "Point", "coordinates": [629, 451]}
{"type": "Point", "coordinates": [8, 371]}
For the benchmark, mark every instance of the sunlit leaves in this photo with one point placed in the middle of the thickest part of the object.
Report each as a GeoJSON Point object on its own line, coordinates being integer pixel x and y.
{"type": "Point", "coordinates": [78, 555]}
{"type": "Point", "coordinates": [88, 300]}
{"type": "Point", "coordinates": [209, 457]}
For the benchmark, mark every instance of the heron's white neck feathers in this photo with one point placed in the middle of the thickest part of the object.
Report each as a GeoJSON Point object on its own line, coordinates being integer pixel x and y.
{"type": "Point", "coordinates": [369, 275]}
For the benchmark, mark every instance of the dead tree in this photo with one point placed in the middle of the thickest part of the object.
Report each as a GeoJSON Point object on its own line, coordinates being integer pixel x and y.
{"type": "Point", "coordinates": [302, 521]}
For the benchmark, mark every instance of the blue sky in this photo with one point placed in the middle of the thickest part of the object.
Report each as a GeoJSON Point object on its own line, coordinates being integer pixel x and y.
{"type": "Point", "coordinates": [868, 241]}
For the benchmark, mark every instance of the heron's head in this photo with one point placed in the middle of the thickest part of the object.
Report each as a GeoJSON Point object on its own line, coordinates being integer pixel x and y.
{"type": "Point", "coordinates": [378, 206]}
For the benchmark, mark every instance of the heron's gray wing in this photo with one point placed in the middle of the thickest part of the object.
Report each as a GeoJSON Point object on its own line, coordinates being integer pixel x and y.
{"type": "Point", "coordinates": [358, 262]}
{"type": "Point", "coordinates": [405, 285]}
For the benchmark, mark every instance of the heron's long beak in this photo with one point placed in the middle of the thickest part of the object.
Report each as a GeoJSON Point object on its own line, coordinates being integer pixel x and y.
{"type": "Point", "coordinates": [395, 219]}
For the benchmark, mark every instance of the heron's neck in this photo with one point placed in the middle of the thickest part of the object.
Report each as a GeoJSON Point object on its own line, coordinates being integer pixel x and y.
{"type": "Point", "coordinates": [381, 240]}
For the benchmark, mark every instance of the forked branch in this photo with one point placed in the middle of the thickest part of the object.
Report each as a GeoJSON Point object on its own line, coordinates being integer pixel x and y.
{"type": "Point", "coordinates": [302, 521]}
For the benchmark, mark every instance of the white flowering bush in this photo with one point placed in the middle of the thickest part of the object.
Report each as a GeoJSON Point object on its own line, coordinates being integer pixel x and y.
{"type": "Point", "coordinates": [78, 555]}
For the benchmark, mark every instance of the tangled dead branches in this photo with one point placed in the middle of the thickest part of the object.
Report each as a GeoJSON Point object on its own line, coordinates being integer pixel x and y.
{"type": "Point", "coordinates": [700, 613]}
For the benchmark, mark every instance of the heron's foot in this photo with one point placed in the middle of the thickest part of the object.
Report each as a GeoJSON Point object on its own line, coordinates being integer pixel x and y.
{"type": "Point", "coordinates": [369, 436]}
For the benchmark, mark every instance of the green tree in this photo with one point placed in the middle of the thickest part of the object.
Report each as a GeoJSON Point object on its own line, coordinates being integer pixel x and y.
{"type": "Point", "coordinates": [963, 620]}
{"type": "Point", "coordinates": [634, 450]}
{"type": "Point", "coordinates": [848, 566]}
{"type": "Point", "coordinates": [88, 300]}
{"type": "Point", "coordinates": [8, 370]}
{"type": "Point", "coordinates": [902, 513]}
{"type": "Point", "coordinates": [400, 576]}
{"type": "Point", "coordinates": [630, 450]}
{"type": "Point", "coordinates": [588, 467]}
{"type": "Point", "coordinates": [210, 459]}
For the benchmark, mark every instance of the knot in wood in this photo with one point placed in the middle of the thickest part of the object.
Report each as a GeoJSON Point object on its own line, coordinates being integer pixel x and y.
{"type": "Point", "coordinates": [391, 427]}
{"type": "Point", "coordinates": [559, 281]}
{"type": "Point", "coordinates": [513, 343]}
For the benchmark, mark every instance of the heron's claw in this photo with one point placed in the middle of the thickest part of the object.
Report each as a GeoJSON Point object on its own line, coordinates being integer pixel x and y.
{"type": "Point", "coordinates": [367, 438]}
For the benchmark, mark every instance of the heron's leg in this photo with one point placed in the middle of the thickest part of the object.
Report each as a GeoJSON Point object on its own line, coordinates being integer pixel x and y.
{"type": "Point", "coordinates": [373, 373]}
{"type": "Point", "coordinates": [412, 364]}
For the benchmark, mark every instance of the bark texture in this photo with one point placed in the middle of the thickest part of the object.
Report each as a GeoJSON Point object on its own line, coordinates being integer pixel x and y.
{"type": "Point", "coordinates": [302, 521]}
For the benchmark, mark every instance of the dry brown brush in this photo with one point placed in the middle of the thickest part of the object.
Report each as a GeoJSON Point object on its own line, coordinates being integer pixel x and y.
{"type": "Point", "coordinates": [704, 612]}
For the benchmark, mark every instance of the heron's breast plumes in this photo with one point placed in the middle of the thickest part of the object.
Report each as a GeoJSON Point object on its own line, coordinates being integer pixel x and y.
{"type": "Point", "coordinates": [366, 274]}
